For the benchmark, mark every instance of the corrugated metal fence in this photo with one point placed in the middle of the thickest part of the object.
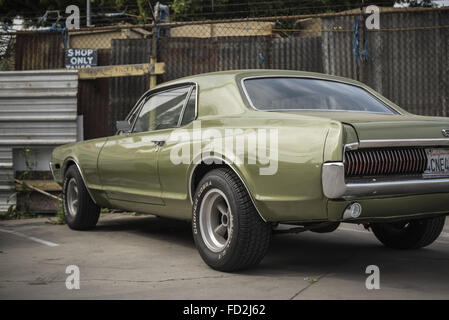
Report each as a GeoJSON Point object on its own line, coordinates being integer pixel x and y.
{"type": "Point", "coordinates": [39, 50]}
{"type": "Point", "coordinates": [125, 91]}
{"type": "Point", "coordinates": [37, 108]}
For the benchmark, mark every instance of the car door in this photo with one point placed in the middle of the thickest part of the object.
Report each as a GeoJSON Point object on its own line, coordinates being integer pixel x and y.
{"type": "Point", "coordinates": [128, 162]}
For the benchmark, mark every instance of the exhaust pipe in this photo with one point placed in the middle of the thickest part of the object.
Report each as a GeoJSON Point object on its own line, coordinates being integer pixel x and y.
{"type": "Point", "coordinates": [352, 211]}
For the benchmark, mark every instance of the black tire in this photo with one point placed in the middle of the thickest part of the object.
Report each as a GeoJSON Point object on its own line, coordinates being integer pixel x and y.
{"type": "Point", "coordinates": [85, 215]}
{"type": "Point", "coordinates": [413, 234]}
{"type": "Point", "coordinates": [248, 237]}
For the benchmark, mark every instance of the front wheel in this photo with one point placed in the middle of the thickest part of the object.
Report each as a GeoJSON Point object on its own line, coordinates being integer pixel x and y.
{"type": "Point", "coordinates": [413, 234]}
{"type": "Point", "coordinates": [228, 231]}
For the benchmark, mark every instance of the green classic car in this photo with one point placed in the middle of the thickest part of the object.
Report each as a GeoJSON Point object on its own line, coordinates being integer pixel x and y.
{"type": "Point", "coordinates": [243, 154]}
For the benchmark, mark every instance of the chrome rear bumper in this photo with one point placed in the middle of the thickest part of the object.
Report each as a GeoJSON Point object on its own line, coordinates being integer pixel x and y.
{"type": "Point", "coordinates": [335, 185]}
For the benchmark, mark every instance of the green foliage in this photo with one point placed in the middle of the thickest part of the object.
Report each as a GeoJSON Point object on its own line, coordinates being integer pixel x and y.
{"type": "Point", "coordinates": [59, 218]}
{"type": "Point", "coordinates": [24, 192]}
{"type": "Point", "coordinates": [7, 64]}
{"type": "Point", "coordinates": [197, 9]}
{"type": "Point", "coordinates": [32, 10]}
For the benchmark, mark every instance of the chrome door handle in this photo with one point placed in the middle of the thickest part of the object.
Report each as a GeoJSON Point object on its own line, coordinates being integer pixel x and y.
{"type": "Point", "coordinates": [159, 143]}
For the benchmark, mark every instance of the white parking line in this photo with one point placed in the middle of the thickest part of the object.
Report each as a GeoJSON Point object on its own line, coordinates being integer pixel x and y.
{"type": "Point", "coordinates": [442, 235]}
{"type": "Point", "coordinates": [47, 243]}
{"type": "Point", "coordinates": [353, 230]}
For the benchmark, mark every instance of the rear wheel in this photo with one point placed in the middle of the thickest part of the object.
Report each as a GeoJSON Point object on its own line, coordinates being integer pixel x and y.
{"type": "Point", "coordinates": [80, 212]}
{"type": "Point", "coordinates": [228, 231]}
{"type": "Point", "coordinates": [413, 234]}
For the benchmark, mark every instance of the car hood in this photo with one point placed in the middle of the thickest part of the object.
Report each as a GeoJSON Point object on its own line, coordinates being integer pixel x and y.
{"type": "Point", "coordinates": [372, 126]}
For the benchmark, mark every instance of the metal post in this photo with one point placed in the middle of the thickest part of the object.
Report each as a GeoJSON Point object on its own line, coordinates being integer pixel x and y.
{"type": "Point", "coordinates": [153, 56]}
{"type": "Point", "coordinates": [360, 48]}
{"type": "Point", "coordinates": [361, 38]}
{"type": "Point", "coordinates": [88, 13]}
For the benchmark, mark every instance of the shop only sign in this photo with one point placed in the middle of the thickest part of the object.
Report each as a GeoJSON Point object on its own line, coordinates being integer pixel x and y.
{"type": "Point", "coordinates": [80, 58]}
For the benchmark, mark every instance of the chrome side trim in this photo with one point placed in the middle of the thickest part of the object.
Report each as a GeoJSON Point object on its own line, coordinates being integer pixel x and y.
{"type": "Point", "coordinates": [64, 168]}
{"type": "Point", "coordinates": [238, 175]}
{"type": "Point", "coordinates": [403, 143]}
{"type": "Point", "coordinates": [351, 146]}
{"type": "Point", "coordinates": [335, 186]}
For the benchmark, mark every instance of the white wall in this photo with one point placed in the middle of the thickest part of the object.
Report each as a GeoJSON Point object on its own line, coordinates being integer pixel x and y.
{"type": "Point", "coordinates": [38, 157]}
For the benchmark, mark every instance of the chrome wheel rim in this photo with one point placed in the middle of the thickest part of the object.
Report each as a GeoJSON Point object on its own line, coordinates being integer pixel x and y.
{"type": "Point", "coordinates": [72, 197]}
{"type": "Point", "coordinates": [215, 220]}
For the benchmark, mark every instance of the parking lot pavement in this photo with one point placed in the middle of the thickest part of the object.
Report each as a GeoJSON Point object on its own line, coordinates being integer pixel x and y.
{"type": "Point", "coordinates": [144, 257]}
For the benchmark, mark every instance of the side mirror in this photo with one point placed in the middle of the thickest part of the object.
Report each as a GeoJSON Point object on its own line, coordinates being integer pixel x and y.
{"type": "Point", "coordinates": [124, 126]}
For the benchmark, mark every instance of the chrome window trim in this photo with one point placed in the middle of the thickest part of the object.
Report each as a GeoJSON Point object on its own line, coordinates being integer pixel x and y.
{"type": "Point", "coordinates": [242, 84]}
{"type": "Point", "coordinates": [181, 115]}
{"type": "Point", "coordinates": [162, 90]}
{"type": "Point", "coordinates": [336, 187]}
{"type": "Point", "coordinates": [138, 106]}
{"type": "Point", "coordinates": [185, 106]}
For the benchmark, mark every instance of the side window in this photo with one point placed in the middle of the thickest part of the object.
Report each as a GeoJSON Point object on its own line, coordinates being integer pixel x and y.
{"type": "Point", "coordinates": [189, 112]}
{"type": "Point", "coordinates": [162, 110]}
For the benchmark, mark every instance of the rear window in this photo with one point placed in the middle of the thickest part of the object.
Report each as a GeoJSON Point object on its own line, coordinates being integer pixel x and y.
{"type": "Point", "coordinates": [282, 93]}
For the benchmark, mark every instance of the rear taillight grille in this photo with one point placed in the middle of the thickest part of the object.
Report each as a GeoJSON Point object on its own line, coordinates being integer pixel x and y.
{"type": "Point", "coordinates": [388, 161]}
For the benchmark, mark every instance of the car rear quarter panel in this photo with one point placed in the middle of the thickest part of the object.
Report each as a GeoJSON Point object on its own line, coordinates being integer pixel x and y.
{"type": "Point", "coordinates": [294, 191]}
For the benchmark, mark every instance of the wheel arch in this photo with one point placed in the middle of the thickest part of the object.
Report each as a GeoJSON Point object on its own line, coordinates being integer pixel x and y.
{"type": "Point", "coordinates": [203, 165]}
{"type": "Point", "coordinates": [70, 161]}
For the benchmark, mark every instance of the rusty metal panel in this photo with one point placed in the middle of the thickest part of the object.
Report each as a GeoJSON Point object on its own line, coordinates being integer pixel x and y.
{"type": "Point", "coordinates": [243, 53]}
{"type": "Point", "coordinates": [337, 46]}
{"type": "Point", "coordinates": [93, 105]}
{"type": "Point", "coordinates": [187, 56]}
{"type": "Point", "coordinates": [93, 101]}
{"type": "Point", "coordinates": [297, 53]}
{"type": "Point", "coordinates": [407, 58]}
{"type": "Point", "coordinates": [125, 91]}
{"type": "Point", "coordinates": [39, 50]}
{"type": "Point", "coordinates": [414, 70]}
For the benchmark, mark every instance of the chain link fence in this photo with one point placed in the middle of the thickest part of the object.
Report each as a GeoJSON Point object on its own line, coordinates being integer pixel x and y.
{"type": "Point", "coordinates": [405, 59]}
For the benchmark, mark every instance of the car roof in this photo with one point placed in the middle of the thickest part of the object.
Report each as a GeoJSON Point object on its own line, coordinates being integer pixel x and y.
{"type": "Point", "coordinates": [240, 74]}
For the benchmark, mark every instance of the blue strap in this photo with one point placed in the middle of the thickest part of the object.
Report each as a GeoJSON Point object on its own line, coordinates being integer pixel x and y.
{"type": "Point", "coordinates": [365, 44]}
{"type": "Point", "coordinates": [355, 49]}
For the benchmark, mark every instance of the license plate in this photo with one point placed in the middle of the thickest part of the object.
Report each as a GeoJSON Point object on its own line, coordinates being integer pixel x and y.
{"type": "Point", "coordinates": [437, 162]}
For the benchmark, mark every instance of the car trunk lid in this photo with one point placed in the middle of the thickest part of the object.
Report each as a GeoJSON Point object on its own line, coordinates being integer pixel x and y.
{"type": "Point", "coordinates": [371, 126]}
